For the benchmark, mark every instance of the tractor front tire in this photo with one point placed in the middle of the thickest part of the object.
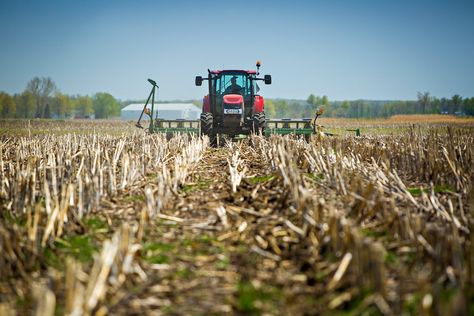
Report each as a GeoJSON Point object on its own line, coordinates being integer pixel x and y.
{"type": "Point", "coordinates": [207, 127]}
{"type": "Point", "coordinates": [259, 123]}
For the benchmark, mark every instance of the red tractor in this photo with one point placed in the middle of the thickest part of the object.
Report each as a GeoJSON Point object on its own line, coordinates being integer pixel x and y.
{"type": "Point", "coordinates": [233, 105]}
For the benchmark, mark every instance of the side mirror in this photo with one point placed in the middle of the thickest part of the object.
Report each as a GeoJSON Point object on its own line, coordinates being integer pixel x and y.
{"type": "Point", "coordinates": [320, 111]}
{"type": "Point", "coordinates": [198, 81]}
{"type": "Point", "coordinates": [267, 79]}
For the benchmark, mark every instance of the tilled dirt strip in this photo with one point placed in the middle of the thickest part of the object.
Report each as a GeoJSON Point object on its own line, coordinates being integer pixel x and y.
{"type": "Point", "coordinates": [201, 257]}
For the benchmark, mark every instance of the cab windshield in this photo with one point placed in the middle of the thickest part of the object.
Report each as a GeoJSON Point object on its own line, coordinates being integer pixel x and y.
{"type": "Point", "coordinates": [233, 83]}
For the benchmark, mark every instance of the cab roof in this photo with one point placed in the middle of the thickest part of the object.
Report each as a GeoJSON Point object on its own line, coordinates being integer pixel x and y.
{"type": "Point", "coordinates": [250, 72]}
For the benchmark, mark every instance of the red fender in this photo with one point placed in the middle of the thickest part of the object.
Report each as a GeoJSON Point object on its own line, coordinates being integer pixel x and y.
{"type": "Point", "coordinates": [206, 107]}
{"type": "Point", "coordinates": [258, 104]}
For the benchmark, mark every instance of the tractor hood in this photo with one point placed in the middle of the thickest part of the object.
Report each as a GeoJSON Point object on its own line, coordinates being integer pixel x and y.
{"type": "Point", "coordinates": [233, 99]}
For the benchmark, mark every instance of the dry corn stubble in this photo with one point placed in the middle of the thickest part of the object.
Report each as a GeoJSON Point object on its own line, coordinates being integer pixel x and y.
{"type": "Point", "coordinates": [378, 224]}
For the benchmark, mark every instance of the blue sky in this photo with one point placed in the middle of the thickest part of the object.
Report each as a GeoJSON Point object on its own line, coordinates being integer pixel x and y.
{"type": "Point", "coordinates": [343, 49]}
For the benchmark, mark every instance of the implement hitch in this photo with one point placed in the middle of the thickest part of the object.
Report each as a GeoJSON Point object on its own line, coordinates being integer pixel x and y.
{"type": "Point", "coordinates": [145, 109]}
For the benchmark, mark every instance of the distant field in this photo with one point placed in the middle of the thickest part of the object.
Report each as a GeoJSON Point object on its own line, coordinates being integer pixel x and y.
{"type": "Point", "coordinates": [394, 124]}
{"type": "Point", "coordinates": [19, 127]}
{"type": "Point", "coordinates": [401, 120]}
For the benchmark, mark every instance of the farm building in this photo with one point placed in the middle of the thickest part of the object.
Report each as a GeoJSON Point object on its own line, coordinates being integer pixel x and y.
{"type": "Point", "coordinates": [167, 111]}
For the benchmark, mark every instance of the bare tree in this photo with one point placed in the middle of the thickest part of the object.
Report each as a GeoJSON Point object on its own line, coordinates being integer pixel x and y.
{"type": "Point", "coordinates": [34, 88]}
{"type": "Point", "coordinates": [424, 100]}
{"type": "Point", "coordinates": [41, 89]}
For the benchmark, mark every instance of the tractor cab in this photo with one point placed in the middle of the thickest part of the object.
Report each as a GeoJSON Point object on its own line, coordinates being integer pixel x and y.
{"type": "Point", "coordinates": [233, 93]}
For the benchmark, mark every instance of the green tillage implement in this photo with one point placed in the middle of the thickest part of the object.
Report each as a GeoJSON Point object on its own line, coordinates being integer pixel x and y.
{"type": "Point", "coordinates": [275, 126]}
{"type": "Point", "coordinates": [289, 126]}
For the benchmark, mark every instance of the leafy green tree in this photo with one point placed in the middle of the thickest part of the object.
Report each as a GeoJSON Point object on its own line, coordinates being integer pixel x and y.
{"type": "Point", "coordinates": [1, 103]}
{"type": "Point", "coordinates": [61, 105]}
{"type": "Point", "coordinates": [311, 99]}
{"type": "Point", "coordinates": [444, 104]}
{"type": "Point", "coordinates": [387, 110]}
{"type": "Point", "coordinates": [318, 101]}
{"type": "Point", "coordinates": [282, 109]}
{"type": "Point", "coordinates": [435, 106]}
{"type": "Point", "coordinates": [343, 109]}
{"type": "Point", "coordinates": [468, 106]}
{"type": "Point", "coordinates": [310, 105]}
{"type": "Point", "coordinates": [105, 105]}
{"type": "Point", "coordinates": [7, 105]}
{"type": "Point", "coordinates": [355, 109]}
{"type": "Point", "coordinates": [270, 110]}
{"type": "Point", "coordinates": [326, 105]}
{"type": "Point", "coordinates": [84, 106]}
{"type": "Point", "coordinates": [455, 104]}
{"type": "Point", "coordinates": [313, 103]}
{"type": "Point", "coordinates": [25, 104]}
{"type": "Point", "coordinates": [325, 101]}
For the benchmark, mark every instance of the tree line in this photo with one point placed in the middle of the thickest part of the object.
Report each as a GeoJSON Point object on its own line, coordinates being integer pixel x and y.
{"type": "Point", "coordinates": [42, 99]}
{"type": "Point", "coordinates": [424, 104]}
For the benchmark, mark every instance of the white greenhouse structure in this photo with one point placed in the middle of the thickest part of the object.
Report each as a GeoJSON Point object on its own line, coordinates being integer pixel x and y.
{"type": "Point", "coordinates": [167, 111]}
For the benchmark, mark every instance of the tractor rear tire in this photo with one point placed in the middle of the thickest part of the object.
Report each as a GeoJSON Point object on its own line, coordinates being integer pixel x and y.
{"type": "Point", "coordinates": [207, 127]}
{"type": "Point", "coordinates": [259, 123]}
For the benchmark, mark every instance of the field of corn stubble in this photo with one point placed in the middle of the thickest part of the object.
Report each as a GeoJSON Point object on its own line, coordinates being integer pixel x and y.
{"type": "Point", "coordinates": [99, 219]}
